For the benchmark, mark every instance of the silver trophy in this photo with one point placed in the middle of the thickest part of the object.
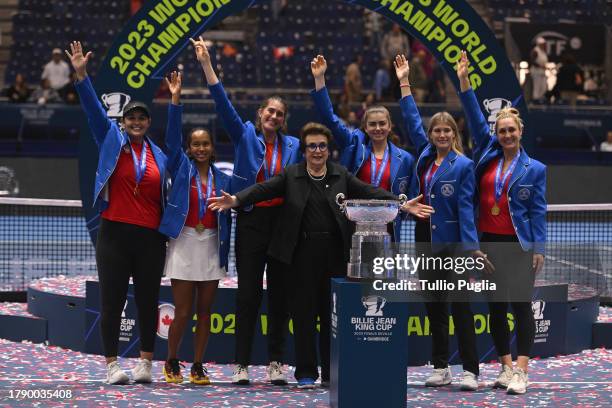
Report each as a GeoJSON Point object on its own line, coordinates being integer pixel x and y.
{"type": "Point", "coordinates": [371, 239]}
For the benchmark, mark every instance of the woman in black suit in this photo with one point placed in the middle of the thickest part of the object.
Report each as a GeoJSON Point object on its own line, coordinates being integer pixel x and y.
{"type": "Point", "coordinates": [313, 236]}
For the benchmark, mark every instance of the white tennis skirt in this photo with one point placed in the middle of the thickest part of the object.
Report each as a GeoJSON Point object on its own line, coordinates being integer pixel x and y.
{"type": "Point", "coordinates": [194, 256]}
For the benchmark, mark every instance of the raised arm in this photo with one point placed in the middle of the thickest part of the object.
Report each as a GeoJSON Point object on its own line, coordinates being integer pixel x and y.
{"type": "Point", "coordinates": [342, 135]}
{"type": "Point", "coordinates": [96, 115]}
{"type": "Point", "coordinates": [231, 120]}
{"type": "Point", "coordinates": [174, 134]}
{"type": "Point", "coordinates": [410, 113]}
{"type": "Point", "coordinates": [478, 125]}
{"type": "Point", "coordinates": [203, 57]}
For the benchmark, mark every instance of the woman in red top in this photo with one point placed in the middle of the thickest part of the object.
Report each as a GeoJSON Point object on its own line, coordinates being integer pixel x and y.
{"type": "Point", "coordinates": [129, 187]}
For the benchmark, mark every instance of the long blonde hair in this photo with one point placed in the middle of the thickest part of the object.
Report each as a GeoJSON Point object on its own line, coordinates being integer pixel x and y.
{"type": "Point", "coordinates": [447, 119]}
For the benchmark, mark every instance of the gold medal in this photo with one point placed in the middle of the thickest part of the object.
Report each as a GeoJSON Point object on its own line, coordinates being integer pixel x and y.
{"type": "Point", "coordinates": [199, 228]}
{"type": "Point", "coordinates": [495, 209]}
{"type": "Point", "coordinates": [136, 190]}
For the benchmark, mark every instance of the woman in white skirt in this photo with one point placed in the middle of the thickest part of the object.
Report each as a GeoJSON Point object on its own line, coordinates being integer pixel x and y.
{"type": "Point", "coordinates": [198, 251]}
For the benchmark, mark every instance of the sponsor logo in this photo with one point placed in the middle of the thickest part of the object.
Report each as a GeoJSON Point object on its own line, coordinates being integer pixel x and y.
{"type": "Point", "coordinates": [541, 325]}
{"type": "Point", "coordinates": [334, 303]}
{"type": "Point", "coordinates": [114, 103]}
{"type": "Point", "coordinates": [538, 306]}
{"type": "Point", "coordinates": [127, 325]}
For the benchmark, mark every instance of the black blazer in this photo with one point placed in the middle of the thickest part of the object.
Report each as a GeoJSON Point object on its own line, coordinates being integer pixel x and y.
{"type": "Point", "coordinates": [294, 186]}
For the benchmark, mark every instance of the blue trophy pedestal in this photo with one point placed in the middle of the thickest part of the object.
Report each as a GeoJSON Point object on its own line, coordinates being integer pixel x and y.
{"type": "Point", "coordinates": [369, 348]}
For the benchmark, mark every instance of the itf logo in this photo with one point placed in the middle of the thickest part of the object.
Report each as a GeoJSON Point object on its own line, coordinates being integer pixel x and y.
{"type": "Point", "coordinates": [114, 103]}
{"type": "Point", "coordinates": [373, 305]}
{"type": "Point", "coordinates": [165, 316]}
{"type": "Point", "coordinates": [538, 306]}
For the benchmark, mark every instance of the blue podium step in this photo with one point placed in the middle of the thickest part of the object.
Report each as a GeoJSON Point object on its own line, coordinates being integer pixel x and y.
{"type": "Point", "coordinates": [17, 324]}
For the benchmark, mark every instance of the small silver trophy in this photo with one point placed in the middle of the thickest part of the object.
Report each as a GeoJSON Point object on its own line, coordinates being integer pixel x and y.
{"type": "Point", "coordinates": [371, 239]}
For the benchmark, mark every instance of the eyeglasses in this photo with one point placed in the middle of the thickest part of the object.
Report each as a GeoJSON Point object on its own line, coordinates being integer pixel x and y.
{"type": "Point", "coordinates": [312, 147]}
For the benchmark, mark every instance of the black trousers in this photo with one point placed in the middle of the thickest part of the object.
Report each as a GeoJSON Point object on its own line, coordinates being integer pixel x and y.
{"type": "Point", "coordinates": [514, 277]}
{"type": "Point", "coordinates": [254, 231]}
{"type": "Point", "coordinates": [437, 306]}
{"type": "Point", "coordinates": [124, 250]}
{"type": "Point", "coordinates": [317, 259]}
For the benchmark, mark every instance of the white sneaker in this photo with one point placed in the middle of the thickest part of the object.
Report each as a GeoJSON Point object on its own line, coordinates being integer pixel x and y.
{"type": "Point", "coordinates": [275, 373]}
{"type": "Point", "coordinates": [142, 372]}
{"type": "Point", "coordinates": [241, 375]}
{"type": "Point", "coordinates": [439, 377]}
{"type": "Point", "coordinates": [469, 382]}
{"type": "Point", "coordinates": [504, 377]}
{"type": "Point", "coordinates": [519, 382]}
{"type": "Point", "coordinates": [115, 375]}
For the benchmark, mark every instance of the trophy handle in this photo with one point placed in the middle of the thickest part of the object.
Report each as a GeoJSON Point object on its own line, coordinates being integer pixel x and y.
{"type": "Point", "coordinates": [340, 201]}
{"type": "Point", "coordinates": [402, 199]}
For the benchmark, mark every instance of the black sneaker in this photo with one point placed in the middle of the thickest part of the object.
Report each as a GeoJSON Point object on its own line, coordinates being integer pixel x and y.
{"type": "Point", "coordinates": [199, 374]}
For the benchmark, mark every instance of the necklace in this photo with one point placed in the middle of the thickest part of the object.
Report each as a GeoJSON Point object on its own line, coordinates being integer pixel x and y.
{"type": "Point", "coordinates": [317, 178]}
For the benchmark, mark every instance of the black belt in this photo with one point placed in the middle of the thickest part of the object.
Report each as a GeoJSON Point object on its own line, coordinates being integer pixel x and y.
{"type": "Point", "coordinates": [318, 235]}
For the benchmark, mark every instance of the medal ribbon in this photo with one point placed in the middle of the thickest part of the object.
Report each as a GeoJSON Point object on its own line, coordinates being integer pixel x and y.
{"type": "Point", "coordinates": [428, 177]}
{"type": "Point", "coordinates": [269, 173]}
{"type": "Point", "coordinates": [376, 174]}
{"type": "Point", "coordinates": [202, 199]}
{"type": "Point", "coordinates": [500, 179]}
{"type": "Point", "coordinates": [139, 166]}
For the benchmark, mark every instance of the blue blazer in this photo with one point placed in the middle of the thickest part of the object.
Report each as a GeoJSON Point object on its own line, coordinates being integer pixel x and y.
{"type": "Point", "coordinates": [110, 139]}
{"type": "Point", "coordinates": [527, 186]}
{"type": "Point", "coordinates": [354, 151]}
{"type": "Point", "coordinates": [182, 171]}
{"type": "Point", "coordinates": [452, 190]}
{"type": "Point", "coordinates": [249, 145]}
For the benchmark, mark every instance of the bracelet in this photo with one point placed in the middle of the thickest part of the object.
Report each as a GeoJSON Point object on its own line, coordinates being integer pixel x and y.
{"type": "Point", "coordinates": [404, 85]}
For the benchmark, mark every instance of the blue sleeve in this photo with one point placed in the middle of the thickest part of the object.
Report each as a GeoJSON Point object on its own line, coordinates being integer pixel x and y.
{"type": "Point", "coordinates": [231, 120]}
{"type": "Point", "coordinates": [477, 124]}
{"type": "Point", "coordinates": [537, 212]}
{"type": "Point", "coordinates": [174, 137]}
{"type": "Point", "coordinates": [99, 122]}
{"type": "Point", "coordinates": [413, 123]}
{"type": "Point", "coordinates": [465, 201]}
{"type": "Point", "coordinates": [342, 135]}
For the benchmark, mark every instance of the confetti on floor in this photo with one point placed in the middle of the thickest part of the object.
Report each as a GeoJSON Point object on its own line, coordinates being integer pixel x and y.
{"type": "Point", "coordinates": [75, 286]}
{"type": "Point", "coordinates": [583, 379]}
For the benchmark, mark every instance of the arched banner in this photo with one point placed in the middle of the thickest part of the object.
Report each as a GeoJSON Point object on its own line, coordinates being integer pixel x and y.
{"type": "Point", "coordinates": [143, 53]}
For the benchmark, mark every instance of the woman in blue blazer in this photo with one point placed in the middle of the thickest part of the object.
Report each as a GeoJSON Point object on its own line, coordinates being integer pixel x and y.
{"type": "Point", "coordinates": [261, 150]}
{"type": "Point", "coordinates": [368, 152]}
{"type": "Point", "coordinates": [511, 208]}
{"type": "Point", "coordinates": [446, 179]}
{"type": "Point", "coordinates": [199, 246]}
{"type": "Point", "coordinates": [129, 192]}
